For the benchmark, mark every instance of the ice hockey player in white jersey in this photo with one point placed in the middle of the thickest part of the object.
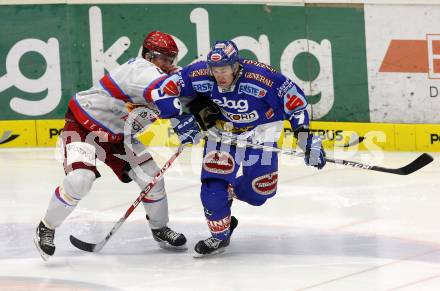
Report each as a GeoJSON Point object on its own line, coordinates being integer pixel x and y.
{"type": "Point", "coordinates": [101, 123]}
{"type": "Point", "coordinates": [253, 101]}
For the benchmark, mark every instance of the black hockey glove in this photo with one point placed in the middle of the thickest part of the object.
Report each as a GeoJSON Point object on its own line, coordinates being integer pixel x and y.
{"type": "Point", "coordinates": [205, 111]}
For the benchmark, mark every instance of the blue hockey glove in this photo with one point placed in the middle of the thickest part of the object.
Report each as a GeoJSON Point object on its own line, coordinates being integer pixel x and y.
{"type": "Point", "coordinates": [314, 154]}
{"type": "Point", "coordinates": [186, 128]}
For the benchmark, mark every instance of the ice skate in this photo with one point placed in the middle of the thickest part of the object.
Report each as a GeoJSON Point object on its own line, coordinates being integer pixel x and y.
{"type": "Point", "coordinates": [169, 239]}
{"type": "Point", "coordinates": [213, 246]}
{"type": "Point", "coordinates": [43, 240]}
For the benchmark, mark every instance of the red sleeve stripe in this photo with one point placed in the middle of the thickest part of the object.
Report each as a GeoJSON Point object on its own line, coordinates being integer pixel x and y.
{"type": "Point", "coordinates": [151, 86]}
{"type": "Point", "coordinates": [113, 89]}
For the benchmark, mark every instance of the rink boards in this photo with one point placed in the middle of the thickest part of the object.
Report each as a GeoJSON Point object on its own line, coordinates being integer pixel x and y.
{"type": "Point", "coordinates": [345, 135]}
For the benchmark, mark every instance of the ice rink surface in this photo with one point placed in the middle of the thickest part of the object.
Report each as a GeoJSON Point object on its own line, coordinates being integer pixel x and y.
{"type": "Point", "coordinates": [335, 229]}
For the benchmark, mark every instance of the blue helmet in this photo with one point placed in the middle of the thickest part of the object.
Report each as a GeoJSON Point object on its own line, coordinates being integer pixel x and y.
{"type": "Point", "coordinates": [223, 53]}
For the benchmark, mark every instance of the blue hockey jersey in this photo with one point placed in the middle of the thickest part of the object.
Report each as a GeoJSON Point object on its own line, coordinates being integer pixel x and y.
{"type": "Point", "coordinates": [259, 96]}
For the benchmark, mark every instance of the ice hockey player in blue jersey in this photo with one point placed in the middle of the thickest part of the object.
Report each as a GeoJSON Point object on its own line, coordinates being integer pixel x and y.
{"type": "Point", "coordinates": [252, 99]}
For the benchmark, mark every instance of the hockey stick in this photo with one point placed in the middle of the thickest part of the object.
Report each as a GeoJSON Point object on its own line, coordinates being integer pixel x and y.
{"type": "Point", "coordinates": [421, 161]}
{"type": "Point", "coordinates": [91, 247]}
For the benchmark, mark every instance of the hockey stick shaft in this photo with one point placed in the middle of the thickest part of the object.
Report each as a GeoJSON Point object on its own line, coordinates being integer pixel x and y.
{"type": "Point", "coordinates": [97, 247]}
{"type": "Point", "coordinates": [421, 161]}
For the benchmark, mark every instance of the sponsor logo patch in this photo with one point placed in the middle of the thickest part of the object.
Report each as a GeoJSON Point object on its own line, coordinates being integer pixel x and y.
{"type": "Point", "coordinates": [220, 45]}
{"type": "Point", "coordinates": [171, 88]}
{"type": "Point", "coordinates": [266, 184]}
{"type": "Point", "coordinates": [251, 89]}
{"type": "Point", "coordinates": [199, 73]}
{"type": "Point", "coordinates": [269, 113]}
{"type": "Point", "coordinates": [258, 64]}
{"type": "Point", "coordinates": [229, 50]}
{"type": "Point", "coordinates": [219, 162]}
{"type": "Point", "coordinates": [218, 226]}
{"type": "Point", "coordinates": [259, 78]}
{"type": "Point", "coordinates": [203, 86]}
{"type": "Point", "coordinates": [282, 90]}
{"type": "Point", "coordinates": [293, 100]}
{"type": "Point", "coordinates": [241, 117]}
{"type": "Point", "coordinates": [216, 57]}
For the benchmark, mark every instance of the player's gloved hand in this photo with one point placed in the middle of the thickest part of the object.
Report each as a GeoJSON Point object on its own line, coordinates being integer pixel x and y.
{"type": "Point", "coordinates": [186, 128]}
{"type": "Point", "coordinates": [139, 118]}
{"type": "Point", "coordinates": [314, 154]}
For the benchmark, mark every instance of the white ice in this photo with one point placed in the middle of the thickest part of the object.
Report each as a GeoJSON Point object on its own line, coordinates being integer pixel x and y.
{"type": "Point", "coordinates": [335, 229]}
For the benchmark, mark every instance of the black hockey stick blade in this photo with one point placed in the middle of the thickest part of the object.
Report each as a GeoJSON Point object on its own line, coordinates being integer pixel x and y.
{"type": "Point", "coordinates": [423, 160]}
{"type": "Point", "coordinates": [85, 246]}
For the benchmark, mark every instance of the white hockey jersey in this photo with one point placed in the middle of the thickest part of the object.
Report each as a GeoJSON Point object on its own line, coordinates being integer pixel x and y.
{"type": "Point", "coordinates": [103, 107]}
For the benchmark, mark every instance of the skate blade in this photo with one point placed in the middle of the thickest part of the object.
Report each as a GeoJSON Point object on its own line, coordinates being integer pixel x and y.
{"type": "Point", "coordinates": [43, 255]}
{"type": "Point", "coordinates": [166, 246]}
{"type": "Point", "coordinates": [197, 255]}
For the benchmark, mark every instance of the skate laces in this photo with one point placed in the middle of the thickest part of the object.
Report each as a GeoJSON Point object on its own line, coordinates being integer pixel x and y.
{"type": "Point", "coordinates": [46, 236]}
{"type": "Point", "coordinates": [212, 242]}
{"type": "Point", "coordinates": [171, 234]}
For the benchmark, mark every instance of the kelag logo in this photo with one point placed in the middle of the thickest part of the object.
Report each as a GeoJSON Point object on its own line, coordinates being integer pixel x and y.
{"type": "Point", "coordinates": [8, 136]}
{"type": "Point", "coordinates": [414, 56]}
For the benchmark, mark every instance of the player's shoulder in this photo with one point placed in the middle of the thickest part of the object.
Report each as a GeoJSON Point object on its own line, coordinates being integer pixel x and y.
{"type": "Point", "coordinates": [143, 68]}
{"type": "Point", "coordinates": [197, 70]}
{"type": "Point", "coordinates": [140, 63]}
{"type": "Point", "coordinates": [252, 65]}
{"type": "Point", "coordinates": [259, 73]}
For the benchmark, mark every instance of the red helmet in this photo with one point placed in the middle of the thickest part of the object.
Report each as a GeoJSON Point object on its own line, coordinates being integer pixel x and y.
{"type": "Point", "coordinates": [161, 42]}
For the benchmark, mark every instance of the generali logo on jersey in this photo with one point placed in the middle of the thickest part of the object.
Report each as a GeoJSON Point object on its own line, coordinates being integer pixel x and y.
{"type": "Point", "coordinates": [414, 56]}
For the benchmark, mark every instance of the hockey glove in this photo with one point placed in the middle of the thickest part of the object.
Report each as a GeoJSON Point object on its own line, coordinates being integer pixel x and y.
{"type": "Point", "coordinates": [186, 128]}
{"type": "Point", "coordinates": [314, 154]}
{"type": "Point", "coordinates": [205, 111]}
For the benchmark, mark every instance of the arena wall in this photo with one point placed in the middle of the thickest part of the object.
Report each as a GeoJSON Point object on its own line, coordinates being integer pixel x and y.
{"type": "Point", "coordinates": [370, 69]}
